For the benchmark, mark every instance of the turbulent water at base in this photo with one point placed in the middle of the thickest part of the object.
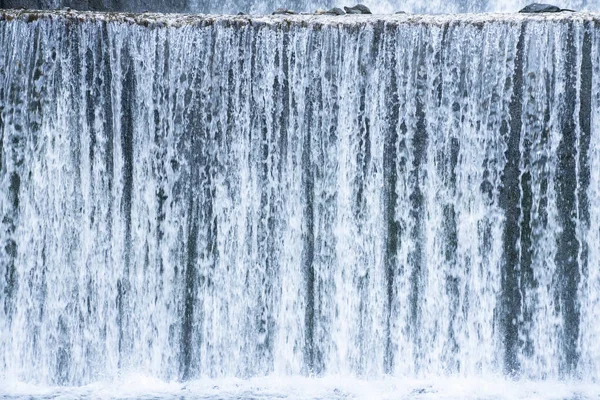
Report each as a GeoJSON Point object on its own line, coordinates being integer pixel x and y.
{"type": "Point", "coordinates": [190, 197]}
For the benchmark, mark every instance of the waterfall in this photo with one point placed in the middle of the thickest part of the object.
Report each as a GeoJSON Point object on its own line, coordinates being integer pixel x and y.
{"type": "Point", "coordinates": [192, 197]}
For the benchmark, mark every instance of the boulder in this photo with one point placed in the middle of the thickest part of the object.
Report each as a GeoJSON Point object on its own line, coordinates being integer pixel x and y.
{"type": "Point", "coordinates": [535, 8]}
{"type": "Point", "coordinates": [358, 9]}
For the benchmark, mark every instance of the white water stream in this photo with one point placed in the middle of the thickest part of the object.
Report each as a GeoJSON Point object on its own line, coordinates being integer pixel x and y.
{"type": "Point", "coordinates": [402, 199]}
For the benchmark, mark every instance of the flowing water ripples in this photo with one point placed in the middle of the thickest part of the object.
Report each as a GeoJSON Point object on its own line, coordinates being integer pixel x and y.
{"type": "Point", "coordinates": [210, 197]}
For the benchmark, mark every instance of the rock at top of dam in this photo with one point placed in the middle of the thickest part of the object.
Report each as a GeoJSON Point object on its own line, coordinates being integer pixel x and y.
{"type": "Point", "coordinates": [153, 19]}
{"type": "Point", "coordinates": [267, 6]}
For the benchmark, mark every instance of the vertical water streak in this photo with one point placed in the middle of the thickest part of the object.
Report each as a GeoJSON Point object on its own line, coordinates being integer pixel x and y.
{"type": "Point", "coordinates": [240, 198]}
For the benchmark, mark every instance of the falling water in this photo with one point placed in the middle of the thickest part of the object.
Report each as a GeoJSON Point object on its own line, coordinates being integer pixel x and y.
{"type": "Point", "coordinates": [195, 197]}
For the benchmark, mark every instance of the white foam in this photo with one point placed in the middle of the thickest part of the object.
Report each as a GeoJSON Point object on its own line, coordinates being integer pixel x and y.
{"type": "Point", "coordinates": [139, 386]}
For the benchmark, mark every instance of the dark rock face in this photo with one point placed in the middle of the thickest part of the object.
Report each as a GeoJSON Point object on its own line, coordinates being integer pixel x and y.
{"type": "Point", "coordinates": [101, 5]}
{"type": "Point", "coordinates": [358, 9]}
{"type": "Point", "coordinates": [535, 8]}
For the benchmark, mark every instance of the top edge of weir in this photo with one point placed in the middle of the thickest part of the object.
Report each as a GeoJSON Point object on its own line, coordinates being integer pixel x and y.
{"type": "Point", "coordinates": [178, 20]}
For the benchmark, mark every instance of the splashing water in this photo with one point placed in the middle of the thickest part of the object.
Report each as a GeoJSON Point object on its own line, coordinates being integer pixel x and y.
{"type": "Point", "coordinates": [404, 197]}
